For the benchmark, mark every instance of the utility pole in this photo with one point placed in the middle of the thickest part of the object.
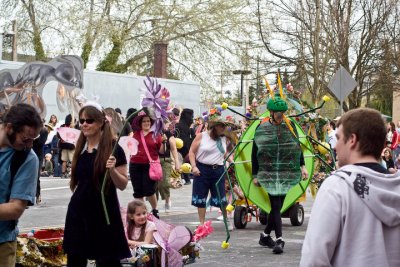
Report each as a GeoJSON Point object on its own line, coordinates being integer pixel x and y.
{"type": "Point", "coordinates": [258, 76]}
{"type": "Point", "coordinates": [14, 42]}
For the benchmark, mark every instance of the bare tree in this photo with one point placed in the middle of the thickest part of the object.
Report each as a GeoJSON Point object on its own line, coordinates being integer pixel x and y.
{"type": "Point", "coordinates": [329, 34]}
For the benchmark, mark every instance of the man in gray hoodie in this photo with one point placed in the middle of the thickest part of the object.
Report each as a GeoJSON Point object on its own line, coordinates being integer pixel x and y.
{"type": "Point", "coordinates": [355, 220]}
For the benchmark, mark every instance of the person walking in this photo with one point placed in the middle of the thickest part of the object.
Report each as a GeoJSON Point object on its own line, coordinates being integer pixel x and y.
{"type": "Point", "coordinates": [278, 165]}
{"type": "Point", "coordinates": [187, 134]}
{"type": "Point", "coordinates": [87, 234]}
{"type": "Point", "coordinates": [355, 219]}
{"type": "Point", "coordinates": [38, 148]}
{"type": "Point", "coordinates": [66, 149]}
{"type": "Point", "coordinates": [139, 165]}
{"type": "Point", "coordinates": [169, 162]}
{"type": "Point", "coordinates": [207, 154]}
{"type": "Point", "coordinates": [19, 127]}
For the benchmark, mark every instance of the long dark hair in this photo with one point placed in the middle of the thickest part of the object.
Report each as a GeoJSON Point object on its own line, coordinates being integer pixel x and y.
{"type": "Point", "coordinates": [22, 115]}
{"type": "Point", "coordinates": [392, 126]}
{"type": "Point", "coordinates": [130, 223]}
{"type": "Point", "coordinates": [103, 151]}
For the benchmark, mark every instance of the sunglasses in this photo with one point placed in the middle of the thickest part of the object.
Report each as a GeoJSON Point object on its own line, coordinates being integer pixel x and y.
{"type": "Point", "coordinates": [88, 121]}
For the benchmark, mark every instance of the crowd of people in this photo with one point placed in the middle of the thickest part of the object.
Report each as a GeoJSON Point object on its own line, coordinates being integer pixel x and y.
{"type": "Point", "coordinates": [368, 172]}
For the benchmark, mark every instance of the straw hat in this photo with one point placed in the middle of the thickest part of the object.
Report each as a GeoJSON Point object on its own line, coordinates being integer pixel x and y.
{"type": "Point", "coordinates": [214, 118]}
{"type": "Point", "coordinates": [48, 125]}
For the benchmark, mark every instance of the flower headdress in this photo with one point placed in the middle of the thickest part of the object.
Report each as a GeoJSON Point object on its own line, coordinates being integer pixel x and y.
{"type": "Point", "coordinates": [156, 99]}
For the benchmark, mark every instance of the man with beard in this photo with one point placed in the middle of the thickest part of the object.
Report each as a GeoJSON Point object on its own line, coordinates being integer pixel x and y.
{"type": "Point", "coordinates": [184, 132]}
{"type": "Point", "coordinates": [20, 126]}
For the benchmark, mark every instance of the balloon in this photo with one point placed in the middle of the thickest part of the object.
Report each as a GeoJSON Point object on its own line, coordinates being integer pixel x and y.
{"type": "Point", "coordinates": [179, 143]}
{"type": "Point", "coordinates": [186, 168]}
{"type": "Point", "coordinates": [323, 149]}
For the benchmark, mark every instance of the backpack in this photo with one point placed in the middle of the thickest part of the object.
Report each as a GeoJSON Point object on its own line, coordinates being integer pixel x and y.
{"type": "Point", "coordinates": [17, 159]}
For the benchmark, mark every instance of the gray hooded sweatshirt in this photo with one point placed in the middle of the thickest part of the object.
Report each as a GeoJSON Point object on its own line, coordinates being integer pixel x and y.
{"type": "Point", "coordinates": [355, 220]}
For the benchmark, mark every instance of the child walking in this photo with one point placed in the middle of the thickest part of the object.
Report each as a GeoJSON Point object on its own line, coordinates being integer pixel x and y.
{"type": "Point", "coordinates": [139, 229]}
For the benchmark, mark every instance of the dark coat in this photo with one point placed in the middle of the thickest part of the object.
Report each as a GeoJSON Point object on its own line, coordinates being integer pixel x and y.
{"type": "Point", "coordinates": [184, 132]}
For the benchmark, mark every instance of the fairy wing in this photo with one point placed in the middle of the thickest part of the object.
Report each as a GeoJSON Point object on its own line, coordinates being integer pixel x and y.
{"type": "Point", "coordinates": [160, 241]}
{"type": "Point", "coordinates": [69, 135]}
{"type": "Point", "coordinates": [163, 228]}
{"type": "Point", "coordinates": [179, 237]}
{"type": "Point", "coordinates": [129, 144]}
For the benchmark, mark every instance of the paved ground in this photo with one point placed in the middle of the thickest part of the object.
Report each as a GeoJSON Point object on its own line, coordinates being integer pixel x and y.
{"type": "Point", "coordinates": [243, 251]}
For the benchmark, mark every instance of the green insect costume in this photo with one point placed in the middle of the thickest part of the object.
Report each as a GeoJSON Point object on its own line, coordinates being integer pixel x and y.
{"type": "Point", "coordinates": [276, 154]}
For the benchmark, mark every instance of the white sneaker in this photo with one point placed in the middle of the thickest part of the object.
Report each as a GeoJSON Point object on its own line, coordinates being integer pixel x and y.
{"type": "Point", "coordinates": [230, 225]}
{"type": "Point", "coordinates": [168, 206]}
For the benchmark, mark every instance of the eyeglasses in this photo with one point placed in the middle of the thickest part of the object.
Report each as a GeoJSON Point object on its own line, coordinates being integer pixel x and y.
{"type": "Point", "coordinates": [88, 121]}
{"type": "Point", "coordinates": [27, 140]}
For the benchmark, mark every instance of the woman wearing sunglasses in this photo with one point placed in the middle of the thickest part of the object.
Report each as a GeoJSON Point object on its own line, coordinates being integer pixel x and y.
{"type": "Point", "coordinates": [87, 235]}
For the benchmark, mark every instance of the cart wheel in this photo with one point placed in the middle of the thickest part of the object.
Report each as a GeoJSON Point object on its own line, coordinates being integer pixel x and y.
{"type": "Point", "coordinates": [240, 217]}
{"type": "Point", "coordinates": [263, 217]}
{"type": "Point", "coordinates": [296, 214]}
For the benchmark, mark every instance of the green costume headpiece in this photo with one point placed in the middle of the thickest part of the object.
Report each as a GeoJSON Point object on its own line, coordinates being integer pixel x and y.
{"type": "Point", "coordinates": [277, 104]}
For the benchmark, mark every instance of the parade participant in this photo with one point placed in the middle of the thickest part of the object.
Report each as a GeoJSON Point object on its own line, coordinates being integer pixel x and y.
{"type": "Point", "coordinates": [18, 171]}
{"type": "Point", "coordinates": [139, 230]}
{"type": "Point", "coordinates": [186, 133]}
{"type": "Point", "coordinates": [139, 165]}
{"type": "Point", "coordinates": [38, 148]}
{"type": "Point", "coordinates": [87, 234]}
{"type": "Point", "coordinates": [355, 219]}
{"type": "Point", "coordinates": [207, 154]}
{"type": "Point", "coordinates": [67, 149]}
{"type": "Point", "coordinates": [169, 156]}
{"type": "Point", "coordinates": [278, 165]}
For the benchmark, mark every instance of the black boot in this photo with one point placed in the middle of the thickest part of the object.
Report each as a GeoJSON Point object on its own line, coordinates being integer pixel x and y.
{"type": "Point", "coordinates": [278, 248]}
{"type": "Point", "coordinates": [155, 213]}
{"type": "Point", "coordinates": [266, 241]}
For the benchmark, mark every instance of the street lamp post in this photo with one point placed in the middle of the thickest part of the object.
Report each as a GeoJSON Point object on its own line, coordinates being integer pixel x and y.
{"type": "Point", "coordinates": [242, 74]}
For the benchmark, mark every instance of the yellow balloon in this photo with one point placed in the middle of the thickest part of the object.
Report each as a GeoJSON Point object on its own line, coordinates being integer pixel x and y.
{"type": "Point", "coordinates": [225, 245]}
{"type": "Point", "coordinates": [186, 168]}
{"type": "Point", "coordinates": [230, 208]}
{"type": "Point", "coordinates": [179, 143]}
{"type": "Point", "coordinates": [323, 149]}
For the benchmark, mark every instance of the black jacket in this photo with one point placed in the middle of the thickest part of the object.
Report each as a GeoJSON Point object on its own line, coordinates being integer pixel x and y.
{"type": "Point", "coordinates": [184, 132]}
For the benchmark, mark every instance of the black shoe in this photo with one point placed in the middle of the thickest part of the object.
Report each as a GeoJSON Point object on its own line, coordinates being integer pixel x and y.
{"type": "Point", "coordinates": [266, 241]}
{"type": "Point", "coordinates": [278, 249]}
{"type": "Point", "coordinates": [155, 213]}
{"type": "Point", "coordinates": [187, 182]}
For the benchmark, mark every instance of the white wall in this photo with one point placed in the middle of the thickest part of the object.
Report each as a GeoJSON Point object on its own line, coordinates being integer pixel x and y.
{"type": "Point", "coordinates": [118, 90]}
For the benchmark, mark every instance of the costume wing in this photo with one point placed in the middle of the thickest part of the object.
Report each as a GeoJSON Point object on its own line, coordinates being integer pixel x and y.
{"type": "Point", "coordinates": [69, 135]}
{"type": "Point", "coordinates": [178, 238]}
{"type": "Point", "coordinates": [129, 145]}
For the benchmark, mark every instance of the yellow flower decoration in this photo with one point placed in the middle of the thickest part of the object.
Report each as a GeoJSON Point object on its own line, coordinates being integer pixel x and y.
{"type": "Point", "coordinates": [326, 98]}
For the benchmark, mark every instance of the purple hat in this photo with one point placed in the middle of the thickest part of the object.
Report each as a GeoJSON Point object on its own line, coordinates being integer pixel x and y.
{"type": "Point", "coordinates": [137, 121]}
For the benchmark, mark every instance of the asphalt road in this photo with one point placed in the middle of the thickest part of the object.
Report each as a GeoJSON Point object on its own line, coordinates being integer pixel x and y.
{"type": "Point", "coordinates": [244, 249]}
